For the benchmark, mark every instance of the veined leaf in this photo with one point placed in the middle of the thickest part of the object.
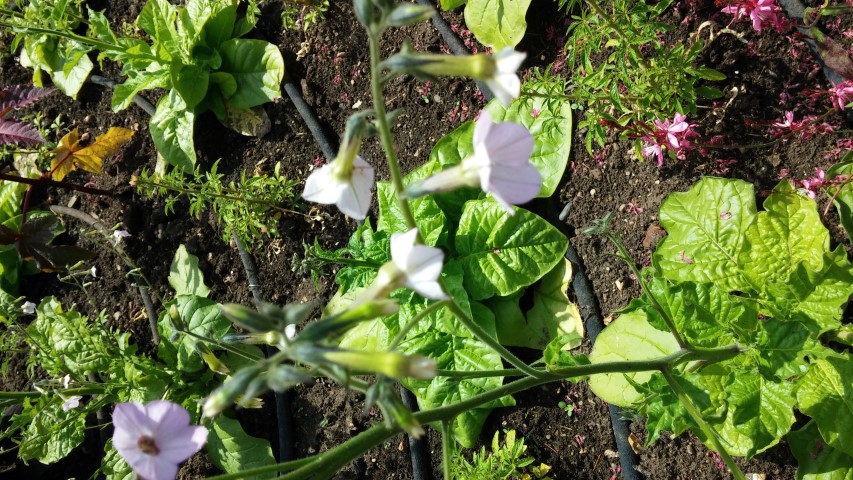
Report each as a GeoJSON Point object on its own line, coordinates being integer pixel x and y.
{"type": "Point", "coordinates": [69, 155]}
{"type": "Point", "coordinates": [171, 128]}
{"type": "Point", "coordinates": [233, 450]}
{"type": "Point", "coordinates": [431, 220]}
{"type": "Point", "coordinates": [815, 459]}
{"type": "Point", "coordinates": [203, 318]}
{"type": "Point", "coordinates": [185, 276]}
{"type": "Point", "coordinates": [502, 253]}
{"type": "Point", "coordinates": [826, 394]}
{"type": "Point", "coordinates": [52, 434]}
{"type": "Point", "coordinates": [257, 67]}
{"type": "Point", "coordinates": [497, 23]}
{"type": "Point", "coordinates": [843, 199]}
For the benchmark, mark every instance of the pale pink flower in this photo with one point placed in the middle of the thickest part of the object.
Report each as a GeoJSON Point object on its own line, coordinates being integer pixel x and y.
{"type": "Point", "coordinates": [71, 403]}
{"type": "Point", "coordinates": [504, 82]}
{"type": "Point", "coordinates": [119, 234]}
{"type": "Point", "coordinates": [348, 188]}
{"type": "Point", "coordinates": [155, 438]}
{"type": "Point", "coordinates": [760, 11]}
{"type": "Point", "coordinates": [417, 266]}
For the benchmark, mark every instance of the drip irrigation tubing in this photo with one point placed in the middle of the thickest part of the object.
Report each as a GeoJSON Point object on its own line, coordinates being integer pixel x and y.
{"type": "Point", "coordinates": [581, 285]}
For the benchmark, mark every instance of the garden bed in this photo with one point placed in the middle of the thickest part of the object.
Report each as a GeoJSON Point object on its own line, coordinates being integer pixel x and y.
{"type": "Point", "coordinates": [329, 62]}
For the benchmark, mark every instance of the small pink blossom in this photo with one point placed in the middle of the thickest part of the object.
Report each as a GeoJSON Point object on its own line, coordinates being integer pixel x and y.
{"type": "Point", "coordinates": [672, 135]}
{"type": "Point", "coordinates": [760, 11]}
{"type": "Point", "coordinates": [841, 94]}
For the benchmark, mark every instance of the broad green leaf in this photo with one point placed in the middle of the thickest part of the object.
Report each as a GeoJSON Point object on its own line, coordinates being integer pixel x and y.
{"type": "Point", "coordinates": [171, 129]}
{"type": "Point", "coordinates": [258, 68]}
{"type": "Point", "coordinates": [136, 82]}
{"type": "Point", "coordinates": [825, 393]}
{"type": "Point", "coordinates": [370, 336]}
{"type": "Point", "coordinates": [760, 413]}
{"type": "Point", "coordinates": [502, 253]}
{"type": "Point", "coordinates": [191, 82]}
{"type": "Point", "coordinates": [452, 352]}
{"type": "Point", "coordinates": [212, 20]}
{"type": "Point", "coordinates": [815, 459]}
{"type": "Point", "coordinates": [786, 344]}
{"type": "Point", "coordinates": [11, 194]}
{"type": "Point", "coordinates": [157, 19]}
{"type": "Point", "coordinates": [497, 23]}
{"type": "Point", "coordinates": [430, 219]}
{"type": "Point", "coordinates": [788, 232]}
{"type": "Point", "coordinates": [547, 114]}
{"type": "Point", "coordinates": [66, 341]}
{"type": "Point", "coordinates": [452, 4]}
{"type": "Point", "coordinates": [233, 450]}
{"type": "Point", "coordinates": [705, 229]}
{"type": "Point", "coordinates": [113, 466]}
{"type": "Point", "coordinates": [844, 198]}
{"type": "Point", "coordinates": [184, 275]}
{"type": "Point", "coordinates": [203, 318]}
{"type": "Point", "coordinates": [630, 337]}
{"type": "Point", "coordinates": [65, 61]}
{"type": "Point", "coordinates": [449, 151]}
{"type": "Point", "coordinates": [52, 434]}
{"type": "Point", "coordinates": [818, 294]}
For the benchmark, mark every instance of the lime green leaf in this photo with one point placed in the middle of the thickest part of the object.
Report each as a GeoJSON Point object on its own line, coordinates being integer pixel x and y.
{"type": "Point", "coordinates": [843, 198]}
{"type": "Point", "coordinates": [629, 337]}
{"type": "Point", "coordinates": [113, 466]}
{"type": "Point", "coordinates": [705, 227]}
{"type": "Point", "coordinates": [502, 253]}
{"type": "Point", "coordinates": [185, 276]}
{"type": "Point", "coordinates": [787, 342]}
{"type": "Point", "coordinates": [203, 318]}
{"type": "Point", "coordinates": [171, 128]}
{"type": "Point", "coordinates": [66, 61]}
{"type": "Point", "coordinates": [452, 4]}
{"type": "Point", "coordinates": [547, 114]}
{"type": "Point", "coordinates": [232, 449]}
{"type": "Point", "coordinates": [430, 219]}
{"type": "Point", "coordinates": [157, 19]}
{"type": "Point", "coordinates": [52, 434]}
{"type": "Point", "coordinates": [449, 151]}
{"type": "Point", "coordinates": [788, 232]}
{"type": "Point", "coordinates": [825, 393]}
{"type": "Point", "coordinates": [497, 23]}
{"type": "Point", "coordinates": [136, 82]}
{"type": "Point", "coordinates": [816, 460]}
{"type": "Point", "coordinates": [258, 68]}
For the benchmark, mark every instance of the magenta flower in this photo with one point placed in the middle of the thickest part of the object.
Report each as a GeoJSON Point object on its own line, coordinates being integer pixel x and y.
{"type": "Point", "coordinates": [671, 135]}
{"type": "Point", "coordinates": [760, 11]}
{"type": "Point", "coordinates": [841, 94]}
{"type": "Point", "coordinates": [673, 130]}
{"type": "Point", "coordinates": [155, 438]}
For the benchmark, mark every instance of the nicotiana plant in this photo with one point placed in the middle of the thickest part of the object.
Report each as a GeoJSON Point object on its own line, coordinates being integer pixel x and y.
{"type": "Point", "coordinates": [196, 52]}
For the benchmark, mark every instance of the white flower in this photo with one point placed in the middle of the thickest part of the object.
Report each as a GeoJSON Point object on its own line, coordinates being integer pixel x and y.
{"type": "Point", "coordinates": [416, 266]}
{"type": "Point", "coordinates": [66, 380]}
{"type": "Point", "coordinates": [155, 438]}
{"type": "Point", "coordinates": [118, 235]}
{"type": "Point", "coordinates": [94, 271]}
{"type": "Point", "coordinates": [71, 403]}
{"type": "Point", "coordinates": [28, 308]}
{"type": "Point", "coordinates": [500, 165]}
{"type": "Point", "coordinates": [504, 82]}
{"type": "Point", "coordinates": [349, 189]}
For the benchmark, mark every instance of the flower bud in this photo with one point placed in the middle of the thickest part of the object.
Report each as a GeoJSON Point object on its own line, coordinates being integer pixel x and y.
{"type": "Point", "coordinates": [409, 14]}
{"type": "Point", "coordinates": [390, 364]}
{"type": "Point", "coordinates": [228, 392]}
{"type": "Point", "coordinates": [282, 377]}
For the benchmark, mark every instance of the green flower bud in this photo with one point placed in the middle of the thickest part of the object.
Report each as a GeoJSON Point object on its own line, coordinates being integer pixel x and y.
{"type": "Point", "coordinates": [409, 14]}
{"type": "Point", "coordinates": [228, 392]}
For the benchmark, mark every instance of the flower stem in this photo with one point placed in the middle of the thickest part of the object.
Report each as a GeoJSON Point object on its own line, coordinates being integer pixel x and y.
{"type": "Point", "coordinates": [448, 446]}
{"type": "Point", "coordinates": [385, 132]}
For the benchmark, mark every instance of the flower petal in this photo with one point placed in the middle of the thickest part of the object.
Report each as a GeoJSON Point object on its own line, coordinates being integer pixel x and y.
{"type": "Point", "coordinates": [321, 186]}
{"type": "Point", "coordinates": [130, 422]}
{"type": "Point", "coordinates": [514, 186]}
{"type": "Point", "coordinates": [183, 444]}
{"type": "Point", "coordinates": [508, 144]}
{"type": "Point", "coordinates": [354, 200]}
{"type": "Point", "coordinates": [401, 246]}
{"type": "Point", "coordinates": [482, 127]}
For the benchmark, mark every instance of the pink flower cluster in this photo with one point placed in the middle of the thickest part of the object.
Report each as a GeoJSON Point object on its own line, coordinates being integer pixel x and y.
{"type": "Point", "coordinates": [674, 135]}
{"type": "Point", "coordinates": [811, 185]}
{"type": "Point", "coordinates": [841, 94]}
{"type": "Point", "coordinates": [807, 127]}
{"type": "Point", "coordinates": [759, 11]}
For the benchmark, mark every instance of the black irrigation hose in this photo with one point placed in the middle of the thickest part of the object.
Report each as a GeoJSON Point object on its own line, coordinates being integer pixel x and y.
{"type": "Point", "coordinates": [282, 399]}
{"type": "Point", "coordinates": [584, 292]}
{"type": "Point", "coordinates": [327, 143]}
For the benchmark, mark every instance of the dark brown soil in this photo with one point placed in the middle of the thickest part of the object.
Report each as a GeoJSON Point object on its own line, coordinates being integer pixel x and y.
{"type": "Point", "coordinates": [333, 78]}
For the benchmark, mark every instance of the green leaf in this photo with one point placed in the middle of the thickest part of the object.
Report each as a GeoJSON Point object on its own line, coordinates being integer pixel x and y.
{"type": "Point", "coordinates": [172, 127]}
{"type": "Point", "coordinates": [157, 19]}
{"type": "Point", "coordinates": [452, 4]}
{"type": "Point", "coordinates": [233, 450]}
{"type": "Point", "coordinates": [815, 460]}
{"type": "Point", "coordinates": [185, 276]}
{"type": "Point", "coordinates": [258, 68]}
{"type": "Point", "coordinates": [209, 22]}
{"type": "Point", "coordinates": [191, 82]}
{"type": "Point", "coordinates": [136, 82]}
{"type": "Point", "coordinates": [52, 434]}
{"type": "Point", "coordinates": [709, 74]}
{"type": "Point", "coordinates": [825, 393]}
{"type": "Point", "coordinates": [788, 232]}
{"type": "Point", "coordinates": [202, 318]}
{"type": "Point", "coordinates": [497, 23]}
{"type": "Point", "coordinates": [449, 151]}
{"type": "Point", "coordinates": [547, 114]}
{"type": "Point", "coordinates": [502, 253]}
{"type": "Point", "coordinates": [113, 466]}
{"type": "Point", "coordinates": [628, 338]}
{"type": "Point", "coordinates": [844, 198]}
{"type": "Point", "coordinates": [430, 219]}
{"type": "Point", "coordinates": [66, 342]}
{"type": "Point", "coordinates": [11, 194]}
{"type": "Point", "coordinates": [705, 229]}
{"type": "Point", "coordinates": [65, 61]}
{"type": "Point", "coordinates": [786, 344]}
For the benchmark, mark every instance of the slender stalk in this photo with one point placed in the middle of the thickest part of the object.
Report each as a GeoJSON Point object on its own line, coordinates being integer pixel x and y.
{"type": "Point", "coordinates": [54, 183]}
{"type": "Point", "coordinates": [94, 43]}
{"type": "Point", "coordinates": [448, 447]}
{"type": "Point", "coordinates": [484, 337]}
{"type": "Point", "coordinates": [385, 131]}
{"type": "Point", "coordinates": [706, 429]}
{"type": "Point", "coordinates": [507, 372]}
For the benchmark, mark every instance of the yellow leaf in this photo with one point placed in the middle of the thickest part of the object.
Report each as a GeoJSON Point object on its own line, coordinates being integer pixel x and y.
{"type": "Point", "coordinates": [69, 155]}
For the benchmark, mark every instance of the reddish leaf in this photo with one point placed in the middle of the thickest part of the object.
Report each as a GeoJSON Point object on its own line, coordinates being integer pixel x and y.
{"type": "Point", "coordinates": [33, 242]}
{"type": "Point", "coordinates": [17, 133]}
{"type": "Point", "coordinates": [17, 96]}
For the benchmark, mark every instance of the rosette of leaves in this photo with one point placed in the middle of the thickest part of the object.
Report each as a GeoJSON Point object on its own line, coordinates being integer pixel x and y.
{"type": "Point", "coordinates": [198, 55]}
{"type": "Point", "coordinates": [766, 280]}
{"type": "Point", "coordinates": [492, 260]}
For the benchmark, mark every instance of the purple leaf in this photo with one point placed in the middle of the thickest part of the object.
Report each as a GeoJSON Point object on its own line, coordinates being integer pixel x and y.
{"type": "Point", "coordinates": [18, 133]}
{"type": "Point", "coordinates": [17, 96]}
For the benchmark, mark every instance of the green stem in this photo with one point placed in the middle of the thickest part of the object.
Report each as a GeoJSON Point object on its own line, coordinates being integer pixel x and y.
{"type": "Point", "coordinates": [626, 257]}
{"type": "Point", "coordinates": [706, 429]}
{"type": "Point", "coordinates": [98, 44]}
{"type": "Point", "coordinates": [484, 337]}
{"type": "Point", "coordinates": [385, 132]}
{"type": "Point", "coordinates": [507, 372]}
{"type": "Point", "coordinates": [448, 447]}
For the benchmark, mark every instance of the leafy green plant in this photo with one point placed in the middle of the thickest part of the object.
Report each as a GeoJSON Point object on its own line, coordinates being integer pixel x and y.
{"type": "Point", "coordinates": [497, 24]}
{"type": "Point", "coordinates": [766, 280]}
{"type": "Point", "coordinates": [250, 208]}
{"type": "Point", "coordinates": [83, 367]}
{"type": "Point", "coordinates": [622, 72]}
{"type": "Point", "coordinates": [507, 460]}
{"type": "Point", "coordinates": [196, 53]}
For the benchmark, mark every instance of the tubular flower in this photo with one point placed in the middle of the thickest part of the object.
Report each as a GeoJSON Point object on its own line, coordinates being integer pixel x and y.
{"type": "Point", "coordinates": [500, 165]}
{"type": "Point", "coordinates": [412, 265]}
{"type": "Point", "coordinates": [155, 438]}
{"type": "Point", "coordinates": [345, 184]}
{"type": "Point", "coordinates": [498, 71]}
